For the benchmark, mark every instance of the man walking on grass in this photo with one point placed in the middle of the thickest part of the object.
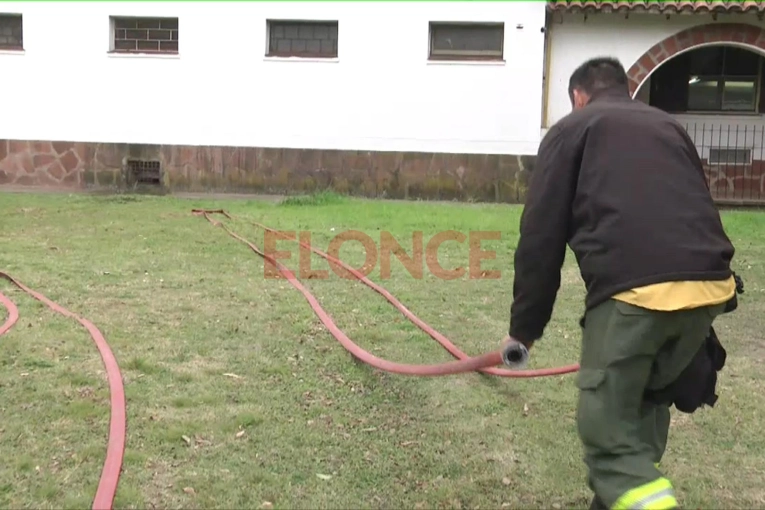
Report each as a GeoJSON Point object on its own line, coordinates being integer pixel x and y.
{"type": "Point", "coordinates": [621, 183]}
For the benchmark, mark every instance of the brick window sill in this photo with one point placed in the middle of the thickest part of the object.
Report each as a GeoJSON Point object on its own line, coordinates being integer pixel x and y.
{"type": "Point", "coordinates": [457, 62]}
{"type": "Point", "coordinates": [333, 60]}
{"type": "Point", "coordinates": [122, 54]}
{"type": "Point", "coordinates": [9, 51]}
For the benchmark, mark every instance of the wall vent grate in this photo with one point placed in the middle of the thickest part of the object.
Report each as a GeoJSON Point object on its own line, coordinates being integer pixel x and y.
{"type": "Point", "coordinates": [145, 172]}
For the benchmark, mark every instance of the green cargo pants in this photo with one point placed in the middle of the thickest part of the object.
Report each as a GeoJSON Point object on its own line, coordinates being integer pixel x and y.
{"type": "Point", "coordinates": [625, 350]}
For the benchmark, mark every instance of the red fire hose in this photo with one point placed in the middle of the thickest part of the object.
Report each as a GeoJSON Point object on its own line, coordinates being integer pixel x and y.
{"type": "Point", "coordinates": [110, 473]}
{"type": "Point", "coordinates": [513, 355]}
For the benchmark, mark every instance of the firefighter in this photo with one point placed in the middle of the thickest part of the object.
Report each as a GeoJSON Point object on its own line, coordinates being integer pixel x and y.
{"type": "Point", "coordinates": [621, 184]}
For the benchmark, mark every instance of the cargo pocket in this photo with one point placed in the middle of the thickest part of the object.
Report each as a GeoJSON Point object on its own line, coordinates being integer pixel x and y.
{"type": "Point", "coordinates": [592, 418]}
{"type": "Point", "coordinates": [589, 379]}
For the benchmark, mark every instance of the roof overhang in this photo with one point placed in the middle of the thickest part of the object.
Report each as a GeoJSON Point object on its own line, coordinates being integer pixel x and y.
{"type": "Point", "coordinates": [658, 7]}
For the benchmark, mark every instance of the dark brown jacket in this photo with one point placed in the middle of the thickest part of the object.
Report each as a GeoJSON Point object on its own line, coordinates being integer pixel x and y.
{"type": "Point", "coordinates": [621, 183]}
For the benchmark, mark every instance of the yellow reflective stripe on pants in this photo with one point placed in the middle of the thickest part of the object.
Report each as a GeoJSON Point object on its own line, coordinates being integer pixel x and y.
{"type": "Point", "coordinates": [657, 495]}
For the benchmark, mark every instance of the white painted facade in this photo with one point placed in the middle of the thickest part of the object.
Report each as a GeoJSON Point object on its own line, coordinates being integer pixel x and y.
{"type": "Point", "coordinates": [381, 93]}
{"type": "Point", "coordinates": [575, 38]}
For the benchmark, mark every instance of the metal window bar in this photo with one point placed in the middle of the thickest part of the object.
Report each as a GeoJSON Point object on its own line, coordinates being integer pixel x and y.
{"type": "Point", "coordinates": [733, 155]}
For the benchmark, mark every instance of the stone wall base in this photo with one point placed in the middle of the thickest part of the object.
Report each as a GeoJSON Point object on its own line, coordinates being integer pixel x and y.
{"type": "Point", "coordinates": [402, 175]}
{"type": "Point", "coordinates": [264, 171]}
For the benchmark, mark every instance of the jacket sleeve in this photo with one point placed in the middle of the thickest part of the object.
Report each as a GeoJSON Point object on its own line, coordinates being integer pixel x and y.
{"type": "Point", "coordinates": [544, 234]}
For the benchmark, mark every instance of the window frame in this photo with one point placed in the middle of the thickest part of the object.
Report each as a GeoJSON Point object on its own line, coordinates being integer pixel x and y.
{"type": "Point", "coordinates": [273, 54]}
{"type": "Point", "coordinates": [461, 55]}
{"type": "Point", "coordinates": [724, 161]}
{"type": "Point", "coordinates": [113, 35]}
{"type": "Point", "coordinates": [20, 17]}
{"type": "Point", "coordinates": [677, 106]}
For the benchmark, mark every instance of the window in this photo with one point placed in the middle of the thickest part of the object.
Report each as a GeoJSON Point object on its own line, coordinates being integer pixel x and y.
{"type": "Point", "coordinates": [709, 79]}
{"type": "Point", "coordinates": [307, 39]}
{"type": "Point", "coordinates": [718, 156]}
{"type": "Point", "coordinates": [466, 41]}
{"type": "Point", "coordinates": [11, 33]}
{"type": "Point", "coordinates": [144, 35]}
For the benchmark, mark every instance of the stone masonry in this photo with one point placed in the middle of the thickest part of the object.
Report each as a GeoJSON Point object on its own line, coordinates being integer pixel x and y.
{"type": "Point", "coordinates": [403, 175]}
{"type": "Point", "coordinates": [407, 175]}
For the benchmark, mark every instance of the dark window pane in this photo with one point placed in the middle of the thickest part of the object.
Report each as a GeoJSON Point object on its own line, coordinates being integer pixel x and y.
{"type": "Point", "coordinates": [707, 61]}
{"type": "Point", "coordinates": [135, 38]}
{"type": "Point", "coordinates": [739, 96]}
{"type": "Point", "coordinates": [283, 45]}
{"type": "Point", "coordinates": [129, 45]}
{"type": "Point", "coordinates": [149, 23]}
{"type": "Point", "coordinates": [466, 38]}
{"type": "Point", "coordinates": [740, 62]}
{"type": "Point", "coordinates": [305, 31]}
{"type": "Point", "coordinates": [125, 23]}
{"type": "Point", "coordinates": [314, 46]}
{"type": "Point", "coordinates": [321, 32]}
{"type": "Point", "coordinates": [303, 38]}
{"type": "Point", "coordinates": [703, 95]}
{"type": "Point", "coordinates": [298, 46]}
{"type": "Point", "coordinates": [11, 31]}
{"type": "Point", "coordinates": [148, 45]}
{"type": "Point", "coordinates": [161, 35]}
{"type": "Point", "coordinates": [169, 46]}
{"type": "Point", "coordinates": [729, 156]}
{"type": "Point", "coordinates": [136, 34]}
{"type": "Point", "coordinates": [169, 23]}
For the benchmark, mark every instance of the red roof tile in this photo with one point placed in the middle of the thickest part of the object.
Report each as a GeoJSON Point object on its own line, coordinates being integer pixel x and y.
{"type": "Point", "coordinates": [658, 6]}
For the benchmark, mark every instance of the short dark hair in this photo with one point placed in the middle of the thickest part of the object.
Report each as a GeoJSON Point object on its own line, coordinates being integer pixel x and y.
{"type": "Point", "coordinates": [598, 74]}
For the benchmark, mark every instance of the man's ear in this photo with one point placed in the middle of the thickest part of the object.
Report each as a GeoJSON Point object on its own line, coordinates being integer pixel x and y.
{"type": "Point", "coordinates": [580, 99]}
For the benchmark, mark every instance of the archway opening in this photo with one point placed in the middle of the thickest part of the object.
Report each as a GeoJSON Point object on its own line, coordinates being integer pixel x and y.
{"type": "Point", "coordinates": [717, 91]}
{"type": "Point", "coordinates": [709, 80]}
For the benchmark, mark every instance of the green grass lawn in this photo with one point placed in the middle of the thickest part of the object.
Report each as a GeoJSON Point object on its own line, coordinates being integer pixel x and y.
{"type": "Point", "coordinates": [237, 397]}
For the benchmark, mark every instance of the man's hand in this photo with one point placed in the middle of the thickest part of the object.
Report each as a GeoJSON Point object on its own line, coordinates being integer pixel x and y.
{"type": "Point", "coordinates": [515, 353]}
{"type": "Point", "coordinates": [509, 340]}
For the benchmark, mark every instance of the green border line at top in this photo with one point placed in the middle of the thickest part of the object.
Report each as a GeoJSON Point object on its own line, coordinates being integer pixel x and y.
{"type": "Point", "coordinates": [271, 1]}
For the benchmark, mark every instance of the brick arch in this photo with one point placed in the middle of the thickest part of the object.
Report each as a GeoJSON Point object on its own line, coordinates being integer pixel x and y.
{"type": "Point", "coordinates": [737, 33]}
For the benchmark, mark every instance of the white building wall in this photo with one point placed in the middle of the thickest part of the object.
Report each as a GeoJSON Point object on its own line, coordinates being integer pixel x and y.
{"type": "Point", "coordinates": [380, 94]}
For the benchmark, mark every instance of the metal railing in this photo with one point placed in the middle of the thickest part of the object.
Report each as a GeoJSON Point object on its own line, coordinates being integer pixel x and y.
{"type": "Point", "coordinates": [733, 153]}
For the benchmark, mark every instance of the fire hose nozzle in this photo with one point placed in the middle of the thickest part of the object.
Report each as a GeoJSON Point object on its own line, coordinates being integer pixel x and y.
{"type": "Point", "coordinates": [515, 355]}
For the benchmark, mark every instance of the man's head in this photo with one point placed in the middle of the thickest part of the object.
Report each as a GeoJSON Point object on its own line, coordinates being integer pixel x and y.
{"type": "Point", "coordinates": [594, 75]}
